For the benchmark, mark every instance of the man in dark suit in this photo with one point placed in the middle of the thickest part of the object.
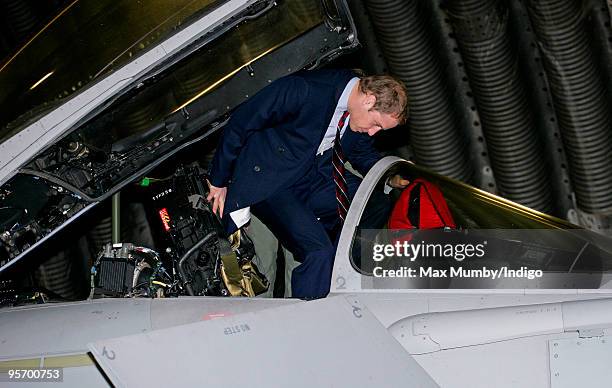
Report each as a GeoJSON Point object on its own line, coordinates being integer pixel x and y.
{"type": "Point", "coordinates": [275, 158]}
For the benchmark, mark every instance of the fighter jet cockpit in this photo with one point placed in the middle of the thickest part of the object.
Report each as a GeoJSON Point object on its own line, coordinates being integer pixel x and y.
{"type": "Point", "coordinates": [438, 210]}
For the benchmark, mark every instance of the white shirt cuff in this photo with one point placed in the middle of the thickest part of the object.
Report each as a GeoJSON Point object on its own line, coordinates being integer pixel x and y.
{"type": "Point", "coordinates": [241, 216]}
{"type": "Point", "coordinates": [387, 189]}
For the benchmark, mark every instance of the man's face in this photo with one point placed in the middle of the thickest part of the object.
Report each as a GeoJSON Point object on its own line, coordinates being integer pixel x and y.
{"type": "Point", "coordinates": [364, 119]}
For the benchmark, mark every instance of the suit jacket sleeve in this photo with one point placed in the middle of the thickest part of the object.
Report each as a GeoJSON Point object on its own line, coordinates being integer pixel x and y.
{"type": "Point", "coordinates": [363, 156]}
{"type": "Point", "coordinates": [271, 105]}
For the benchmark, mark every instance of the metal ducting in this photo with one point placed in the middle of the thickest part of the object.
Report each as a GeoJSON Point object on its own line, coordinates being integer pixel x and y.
{"type": "Point", "coordinates": [402, 29]}
{"type": "Point", "coordinates": [481, 30]}
{"type": "Point", "coordinates": [580, 98]}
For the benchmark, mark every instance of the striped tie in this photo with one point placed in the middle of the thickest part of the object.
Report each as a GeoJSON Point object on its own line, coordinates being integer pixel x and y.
{"type": "Point", "coordinates": [338, 173]}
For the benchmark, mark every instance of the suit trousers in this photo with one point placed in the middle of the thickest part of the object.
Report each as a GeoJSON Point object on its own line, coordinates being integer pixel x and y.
{"type": "Point", "coordinates": [305, 219]}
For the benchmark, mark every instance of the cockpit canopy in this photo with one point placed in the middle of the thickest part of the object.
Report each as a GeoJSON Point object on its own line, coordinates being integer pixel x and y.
{"type": "Point", "coordinates": [460, 216]}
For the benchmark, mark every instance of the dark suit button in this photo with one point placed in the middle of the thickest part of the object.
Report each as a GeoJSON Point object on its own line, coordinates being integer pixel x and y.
{"type": "Point", "coordinates": [281, 149]}
{"type": "Point", "coordinates": [257, 169]}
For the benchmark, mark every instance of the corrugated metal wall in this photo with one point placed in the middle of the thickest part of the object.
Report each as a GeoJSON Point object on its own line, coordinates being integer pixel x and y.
{"type": "Point", "coordinates": [512, 96]}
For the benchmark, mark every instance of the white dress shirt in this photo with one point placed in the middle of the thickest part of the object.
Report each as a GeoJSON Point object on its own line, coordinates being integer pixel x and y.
{"type": "Point", "coordinates": [341, 107]}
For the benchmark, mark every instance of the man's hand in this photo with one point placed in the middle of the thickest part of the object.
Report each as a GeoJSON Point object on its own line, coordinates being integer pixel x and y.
{"type": "Point", "coordinates": [217, 196]}
{"type": "Point", "coordinates": [397, 182]}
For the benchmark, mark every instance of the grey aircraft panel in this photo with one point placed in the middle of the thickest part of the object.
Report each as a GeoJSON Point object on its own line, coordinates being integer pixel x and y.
{"type": "Point", "coordinates": [43, 330]}
{"type": "Point", "coordinates": [517, 363]}
{"type": "Point", "coordinates": [432, 332]}
{"type": "Point", "coordinates": [324, 343]}
{"type": "Point", "coordinates": [522, 362]}
{"type": "Point", "coordinates": [56, 335]}
{"type": "Point", "coordinates": [35, 330]}
{"type": "Point", "coordinates": [389, 308]}
{"type": "Point", "coordinates": [168, 312]}
{"type": "Point", "coordinates": [566, 354]}
{"type": "Point", "coordinates": [475, 346]}
{"type": "Point", "coordinates": [64, 328]}
{"type": "Point", "coordinates": [68, 327]}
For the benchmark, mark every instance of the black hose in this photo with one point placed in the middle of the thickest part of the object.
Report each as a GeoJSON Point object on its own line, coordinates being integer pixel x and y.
{"type": "Point", "coordinates": [190, 252]}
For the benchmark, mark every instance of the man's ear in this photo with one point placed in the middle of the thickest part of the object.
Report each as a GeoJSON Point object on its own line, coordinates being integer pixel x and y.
{"type": "Point", "coordinates": [369, 100]}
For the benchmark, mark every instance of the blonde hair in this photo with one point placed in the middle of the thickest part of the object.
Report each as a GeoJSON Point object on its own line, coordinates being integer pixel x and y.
{"type": "Point", "coordinates": [391, 95]}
